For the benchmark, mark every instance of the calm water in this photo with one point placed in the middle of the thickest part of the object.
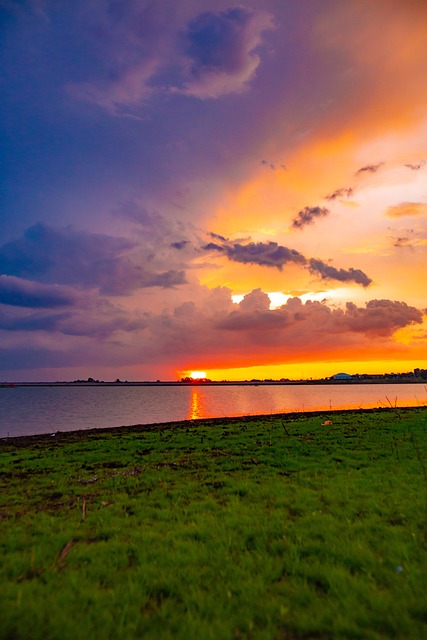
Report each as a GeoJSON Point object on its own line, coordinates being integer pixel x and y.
{"type": "Point", "coordinates": [35, 410]}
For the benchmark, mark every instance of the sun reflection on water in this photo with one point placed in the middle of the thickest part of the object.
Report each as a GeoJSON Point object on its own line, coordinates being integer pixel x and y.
{"type": "Point", "coordinates": [197, 408]}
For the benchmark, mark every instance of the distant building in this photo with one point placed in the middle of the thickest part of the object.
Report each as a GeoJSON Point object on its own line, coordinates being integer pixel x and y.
{"type": "Point", "coordinates": [342, 376]}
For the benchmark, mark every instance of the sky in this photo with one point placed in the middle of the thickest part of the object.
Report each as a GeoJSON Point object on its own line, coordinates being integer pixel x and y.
{"type": "Point", "coordinates": [237, 188]}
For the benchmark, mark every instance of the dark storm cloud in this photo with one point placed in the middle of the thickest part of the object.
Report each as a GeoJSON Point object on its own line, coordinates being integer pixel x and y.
{"type": "Point", "coordinates": [63, 255]}
{"type": "Point", "coordinates": [327, 272]}
{"type": "Point", "coordinates": [213, 246]}
{"type": "Point", "coordinates": [24, 293]}
{"type": "Point", "coordinates": [271, 254]}
{"type": "Point", "coordinates": [52, 255]}
{"type": "Point", "coordinates": [167, 280]}
{"type": "Point", "coordinates": [268, 254]}
{"type": "Point", "coordinates": [222, 48]}
{"type": "Point", "coordinates": [214, 39]}
{"type": "Point", "coordinates": [94, 318]}
{"type": "Point", "coordinates": [308, 215]}
{"type": "Point", "coordinates": [216, 236]}
{"type": "Point", "coordinates": [180, 245]}
{"type": "Point", "coordinates": [101, 321]}
{"type": "Point", "coordinates": [369, 168]}
{"type": "Point", "coordinates": [344, 192]}
{"type": "Point", "coordinates": [143, 54]}
{"type": "Point", "coordinates": [31, 322]}
{"type": "Point", "coordinates": [264, 253]}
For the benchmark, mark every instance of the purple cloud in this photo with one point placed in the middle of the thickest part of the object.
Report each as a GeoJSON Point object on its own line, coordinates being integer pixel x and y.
{"type": "Point", "coordinates": [133, 41]}
{"type": "Point", "coordinates": [222, 51]}
{"type": "Point", "coordinates": [70, 257]}
{"type": "Point", "coordinates": [380, 317]}
{"type": "Point", "coordinates": [327, 272]}
{"type": "Point", "coordinates": [216, 236]}
{"type": "Point", "coordinates": [308, 215]}
{"type": "Point", "coordinates": [271, 254]}
{"type": "Point", "coordinates": [268, 254]}
{"type": "Point", "coordinates": [181, 244]}
{"type": "Point", "coordinates": [31, 322]}
{"type": "Point", "coordinates": [256, 300]}
{"type": "Point", "coordinates": [263, 333]}
{"type": "Point", "coordinates": [142, 54]}
{"type": "Point", "coordinates": [24, 293]}
{"type": "Point", "coordinates": [92, 318]}
{"type": "Point", "coordinates": [209, 329]}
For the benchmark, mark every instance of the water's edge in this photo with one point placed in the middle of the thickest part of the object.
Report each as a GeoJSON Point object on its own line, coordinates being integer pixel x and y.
{"type": "Point", "coordinates": [64, 436]}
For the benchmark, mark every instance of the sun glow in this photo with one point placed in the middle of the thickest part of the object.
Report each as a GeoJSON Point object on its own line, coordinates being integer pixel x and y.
{"type": "Point", "coordinates": [198, 375]}
{"type": "Point", "coordinates": [278, 299]}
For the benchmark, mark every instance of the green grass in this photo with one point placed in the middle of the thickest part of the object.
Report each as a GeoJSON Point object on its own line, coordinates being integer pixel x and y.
{"type": "Point", "coordinates": [267, 528]}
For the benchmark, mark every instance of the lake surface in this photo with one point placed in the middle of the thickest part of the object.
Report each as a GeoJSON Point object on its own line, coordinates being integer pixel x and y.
{"type": "Point", "coordinates": [37, 410]}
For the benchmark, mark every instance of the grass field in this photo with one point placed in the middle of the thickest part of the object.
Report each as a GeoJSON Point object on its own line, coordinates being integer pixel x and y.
{"type": "Point", "coordinates": [276, 527]}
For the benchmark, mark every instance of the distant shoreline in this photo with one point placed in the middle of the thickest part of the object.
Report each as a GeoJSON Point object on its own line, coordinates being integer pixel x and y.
{"type": "Point", "coordinates": [249, 383]}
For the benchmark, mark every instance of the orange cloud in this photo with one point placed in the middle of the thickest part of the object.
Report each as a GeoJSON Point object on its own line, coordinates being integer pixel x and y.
{"type": "Point", "coordinates": [250, 333]}
{"type": "Point", "coordinates": [407, 209]}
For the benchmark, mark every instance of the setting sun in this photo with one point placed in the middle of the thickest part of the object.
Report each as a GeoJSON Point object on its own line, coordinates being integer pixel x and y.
{"type": "Point", "coordinates": [198, 375]}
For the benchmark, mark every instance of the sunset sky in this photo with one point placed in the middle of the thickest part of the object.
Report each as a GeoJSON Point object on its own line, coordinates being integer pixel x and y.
{"type": "Point", "coordinates": [236, 188]}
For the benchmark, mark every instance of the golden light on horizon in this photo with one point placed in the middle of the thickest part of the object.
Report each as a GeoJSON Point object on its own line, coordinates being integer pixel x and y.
{"type": "Point", "coordinates": [305, 370]}
{"type": "Point", "coordinates": [197, 375]}
{"type": "Point", "coordinates": [278, 298]}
